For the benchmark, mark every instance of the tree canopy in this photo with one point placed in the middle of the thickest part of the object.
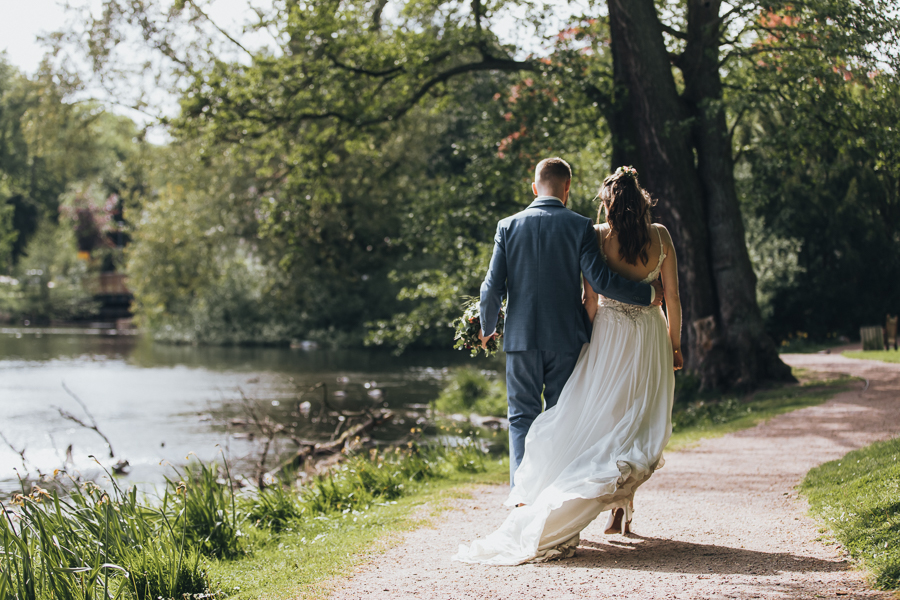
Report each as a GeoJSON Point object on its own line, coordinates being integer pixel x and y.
{"type": "Point", "coordinates": [343, 181]}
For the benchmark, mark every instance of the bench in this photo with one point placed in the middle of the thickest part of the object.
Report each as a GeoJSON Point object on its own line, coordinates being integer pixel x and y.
{"type": "Point", "coordinates": [872, 337]}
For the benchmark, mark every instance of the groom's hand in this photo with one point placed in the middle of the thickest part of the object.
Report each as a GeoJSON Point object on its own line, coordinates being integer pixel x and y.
{"type": "Point", "coordinates": [484, 340]}
{"type": "Point", "coordinates": [657, 285]}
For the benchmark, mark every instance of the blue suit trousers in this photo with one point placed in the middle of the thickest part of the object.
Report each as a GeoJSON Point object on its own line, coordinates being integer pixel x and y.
{"type": "Point", "coordinates": [529, 374]}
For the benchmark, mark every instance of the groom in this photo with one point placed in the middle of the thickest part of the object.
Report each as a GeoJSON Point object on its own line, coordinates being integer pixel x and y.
{"type": "Point", "coordinates": [539, 256]}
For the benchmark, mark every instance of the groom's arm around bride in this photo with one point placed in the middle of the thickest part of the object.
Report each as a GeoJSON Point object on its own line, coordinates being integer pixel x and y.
{"type": "Point", "coordinates": [538, 260]}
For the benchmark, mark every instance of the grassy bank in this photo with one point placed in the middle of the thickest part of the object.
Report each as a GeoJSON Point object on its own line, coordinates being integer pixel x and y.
{"type": "Point", "coordinates": [301, 562]}
{"type": "Point", "coordinates": [889, 356]}
{"type": "Point", "coordinates": [714, 417]}
{"type": "Point", "coordinates": [858, 499]}
{"type": "Point", "coordinates": [201, 539]}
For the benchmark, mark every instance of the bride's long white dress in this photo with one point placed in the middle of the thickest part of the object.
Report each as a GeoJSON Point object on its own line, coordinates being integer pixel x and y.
{"type": "Point", "coordinates": [602, 440]}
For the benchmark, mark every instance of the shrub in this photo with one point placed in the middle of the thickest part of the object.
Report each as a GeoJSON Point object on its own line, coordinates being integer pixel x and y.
{"type": "Point", "coordinates": [274, 508]}
{"type": "Point", "coordinates": [472, 391]}
{"type": "Point", "coordinates": [206, 508]}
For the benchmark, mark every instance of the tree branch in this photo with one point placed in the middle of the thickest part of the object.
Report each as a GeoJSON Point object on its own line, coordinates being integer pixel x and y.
{"type": "Point", "coordinates": [93, 426]}
{"type": "Point", "coordinates": [673, 32]}
{"type": "Point", "coordinates": [361, 71]}
{"type": "Point", "coordinates": [219, 29]}
{"type": "Point", "coordinates": [487, 64]}
{"type": "Point", "coordinates": [376, 15]}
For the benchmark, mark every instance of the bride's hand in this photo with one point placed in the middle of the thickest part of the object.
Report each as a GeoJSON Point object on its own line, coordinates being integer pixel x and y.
{"type": "Point", "coordinates": [678, 360]}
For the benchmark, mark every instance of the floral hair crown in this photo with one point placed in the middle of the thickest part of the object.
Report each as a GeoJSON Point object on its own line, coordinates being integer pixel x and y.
{"type": "Point", "coordinates": [627, 171]}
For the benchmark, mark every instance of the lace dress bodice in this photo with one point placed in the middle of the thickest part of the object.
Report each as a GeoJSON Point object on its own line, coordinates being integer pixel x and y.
{"type": "Point", "coordinates": [633, 311]}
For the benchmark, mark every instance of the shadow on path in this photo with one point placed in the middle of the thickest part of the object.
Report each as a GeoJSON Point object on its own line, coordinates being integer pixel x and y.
{"type": "Point", "coordinates": [674, 556]}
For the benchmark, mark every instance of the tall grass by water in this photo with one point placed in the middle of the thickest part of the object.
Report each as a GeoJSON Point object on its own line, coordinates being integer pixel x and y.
{"type": "Point", "coordinates": [88, 542]}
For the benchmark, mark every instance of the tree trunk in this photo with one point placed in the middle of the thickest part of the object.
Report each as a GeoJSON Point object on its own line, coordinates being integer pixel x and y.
{"type": "Point", "coordinates": [747, 354]}
{"type": "Point", "coordinates": [623, 133]}
{"type": "Point", "coordinates": [667, 161]}
{"type": "Point", "coordinates": [686, 156]}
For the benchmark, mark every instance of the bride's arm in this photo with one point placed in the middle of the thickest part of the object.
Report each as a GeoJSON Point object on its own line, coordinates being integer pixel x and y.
{"type": "Point", "coordinates": [589, 298]}
{"type": "Point", "coordinates": [673, 300]}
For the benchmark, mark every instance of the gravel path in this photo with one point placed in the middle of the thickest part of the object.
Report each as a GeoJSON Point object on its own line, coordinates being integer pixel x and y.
{"type": "Point", "coordinates": [720, 520]}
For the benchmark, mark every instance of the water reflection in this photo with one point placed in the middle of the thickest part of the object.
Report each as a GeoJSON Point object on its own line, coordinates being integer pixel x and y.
{"type": "Point", "coordinates": [158, 403]}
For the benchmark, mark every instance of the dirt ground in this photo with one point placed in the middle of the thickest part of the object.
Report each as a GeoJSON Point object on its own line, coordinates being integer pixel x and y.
{"type": "Point", "coordinates": [720, 520]}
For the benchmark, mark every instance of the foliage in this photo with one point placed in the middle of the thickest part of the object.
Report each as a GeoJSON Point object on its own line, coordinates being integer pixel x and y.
{"type": "Point", "coordinates": [470, 390]}
{"type": "Point", "coordinates": [856, 496]}
{"type": "Point", "coordinates": [49, 144]}
{"type": "Point", "coordinates": [93, 544]}
{"type": "Point", "coordinates": [305, 560]}
{"type": "Point", "coordinates": [346, 183]}
{"type": "Point", "coordinates": [8, 236]}
{"type": "Point", "coordinates": [775, 264]}
{"type": "Point", "coordinates": [90, 212]}
{"type": "Point", "coordinates": [276, 507]}
{"type": "Point", "coordinates": [50, 281]}
{"type": "Point", "coordinates": [468, 330]}
{"type": "Point", "coordinates": [818, 170]}
{"type": "Point", "coordinates": [204, 500]}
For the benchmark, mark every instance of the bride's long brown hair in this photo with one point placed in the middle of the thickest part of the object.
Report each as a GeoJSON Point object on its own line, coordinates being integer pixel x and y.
{"type": "Point", "coordinates": [627, 207]}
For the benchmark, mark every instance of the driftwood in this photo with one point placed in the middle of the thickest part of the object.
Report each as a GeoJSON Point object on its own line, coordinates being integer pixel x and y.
{"type": "Point", "coordinates": [350, 439]}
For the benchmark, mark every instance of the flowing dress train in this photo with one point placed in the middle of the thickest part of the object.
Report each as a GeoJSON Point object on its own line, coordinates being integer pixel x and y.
{"type": "Point", "coordinates": [602, 440]}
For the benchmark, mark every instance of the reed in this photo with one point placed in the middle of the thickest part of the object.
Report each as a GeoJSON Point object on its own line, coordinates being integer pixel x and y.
{"type": "Point", "coordinates": [91, 543]}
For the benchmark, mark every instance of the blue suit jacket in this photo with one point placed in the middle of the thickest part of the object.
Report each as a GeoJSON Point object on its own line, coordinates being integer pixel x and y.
{"type": "Point", "coordinates": [539, 256]}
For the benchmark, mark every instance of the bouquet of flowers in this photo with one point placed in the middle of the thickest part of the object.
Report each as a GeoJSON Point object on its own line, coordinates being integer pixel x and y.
{"type": "Point", "coordinates": [469, 325]}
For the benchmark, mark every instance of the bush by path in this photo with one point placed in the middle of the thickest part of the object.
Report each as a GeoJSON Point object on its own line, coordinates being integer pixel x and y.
{"type": "Point", "coordinates": [858, 498]}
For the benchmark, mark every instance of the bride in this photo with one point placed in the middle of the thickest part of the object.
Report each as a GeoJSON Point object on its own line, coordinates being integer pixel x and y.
{"type": "Point", "coordinates": [606, 435]}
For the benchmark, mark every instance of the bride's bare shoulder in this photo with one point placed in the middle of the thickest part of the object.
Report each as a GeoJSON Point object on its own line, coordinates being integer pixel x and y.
{"type": "Point", "coordinates": [665, 236]}
{"type": "Point", "coordinates": [663, 231]}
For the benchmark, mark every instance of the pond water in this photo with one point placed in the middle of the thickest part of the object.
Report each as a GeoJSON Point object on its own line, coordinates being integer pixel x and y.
{"type": "Point", "coordinates": [158, 403]}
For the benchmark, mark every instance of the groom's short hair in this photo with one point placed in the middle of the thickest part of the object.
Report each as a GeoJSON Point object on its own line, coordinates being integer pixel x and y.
{"type": "Point", "coordinates": [553, 170]}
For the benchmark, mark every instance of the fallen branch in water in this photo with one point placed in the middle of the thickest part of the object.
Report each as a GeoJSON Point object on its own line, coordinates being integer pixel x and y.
{"type": "Point", "coordinates": [93, 424]}
{"type": "Point", "coordinates": [348, 440]}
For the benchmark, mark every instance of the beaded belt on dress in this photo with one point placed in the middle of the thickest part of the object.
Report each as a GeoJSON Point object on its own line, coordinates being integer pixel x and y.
{"type": "Point", "coordinates": [632, 311]}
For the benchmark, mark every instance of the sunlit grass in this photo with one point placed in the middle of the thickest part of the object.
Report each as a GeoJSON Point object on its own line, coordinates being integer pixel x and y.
{"type": "Point", "coordinates": [304, 561]}
{"type": "Point", "coordinates": [720, 416]}
{"type": "Point", "coordinates": [890, 356]}
{"type": "Point", "coordinates": [858, 498]}
{"type": "Point", "coordinates": [201, 540]}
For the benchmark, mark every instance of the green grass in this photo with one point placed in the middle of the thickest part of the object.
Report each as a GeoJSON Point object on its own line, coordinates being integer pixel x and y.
{"type": "Point", "coordinates": [201, 540]}
{"type": "Point", "coordinates": [803, 345]}
{"type": "Point", "coordinates": [303, 561]}
{"type": "Point", "coordinates": [889, 356]}
{"type": "Point", "coordinates": [858, 498]}
{"type": "Point", "coordinates": [694, 421]}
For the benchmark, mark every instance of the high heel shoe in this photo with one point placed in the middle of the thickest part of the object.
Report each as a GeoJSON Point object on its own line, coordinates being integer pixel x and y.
{"type": "Point", "coordinates": [619, 521]}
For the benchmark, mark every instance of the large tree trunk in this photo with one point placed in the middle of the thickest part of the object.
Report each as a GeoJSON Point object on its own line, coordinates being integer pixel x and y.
{"type": "Point", "coordinates": [746, 354]}
{"type": "Point", "coordinates": [667, 161]}
{"type": "Point", "coordinates": [724, 339]}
